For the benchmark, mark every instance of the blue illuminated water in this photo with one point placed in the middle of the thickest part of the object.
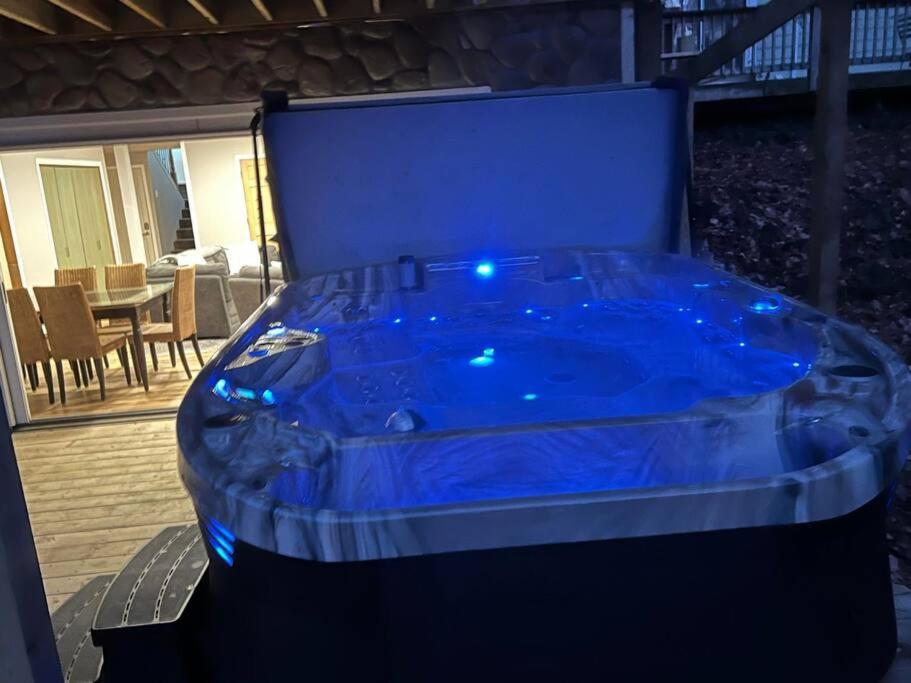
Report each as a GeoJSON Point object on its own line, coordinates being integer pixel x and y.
{"type": "Point", "coordinates": [504, 364]}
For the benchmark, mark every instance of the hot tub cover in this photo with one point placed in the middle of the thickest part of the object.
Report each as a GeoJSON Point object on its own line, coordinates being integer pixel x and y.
{"type": "Point", "coordinates": [534, 397]}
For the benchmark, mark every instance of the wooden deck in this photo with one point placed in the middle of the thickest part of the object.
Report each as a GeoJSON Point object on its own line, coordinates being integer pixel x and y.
{"type": "Point", "coordinates": [167, 386]}
{"type": "Point", "coordinates": [96, 494]}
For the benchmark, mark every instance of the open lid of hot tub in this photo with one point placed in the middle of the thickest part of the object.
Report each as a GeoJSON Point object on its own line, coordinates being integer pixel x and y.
{"type": "Point", "coordinates": [366, 182]}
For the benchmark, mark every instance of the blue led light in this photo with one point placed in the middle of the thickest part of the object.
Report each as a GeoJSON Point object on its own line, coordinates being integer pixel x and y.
{"type": "Point", "coordinates": [221, 540]}
{"type": "Point", "coordinates": [741, 344]}
{"type": "Point", "coordinates": [243, 392]}
{"type": "Point", "coordinates": [268, 397]}
{"type": "Point", "coordinates": [222, 529]}
{"type": "Point", "coordinates": [484, 269]}
{"type": "Point", "coordinates": [768, 305]}
{"type": "Point", "coordinates": [316, 330]}
{"type": "Point", "coordinates": [222, 388]}
{"type": "Point", "coordinates": [530, 397]}
{"type": "Point", "coordinates": [584, 305]}
{"type": "Point", "coordinates": [577, 278]}
{"type": "Point", "coordinates": [433, 318]}
{"type": "Point", "coordinates": [397, 321]}
{"type": "Point", "coordinates": [489, 351]}
{"type": "Point", "coordinates": [229, 560]}
{"type": "Point", "coordinates": [276, 331]}
{"type": "Point", "coordinates": [528, 311]}
{"type": "Point", "coordinates": [701, 285]}
{"type": "Point", "coordinates": [217, 539]}
{"type": "Point", "coordinates": [795, 364]}
{"type": "Point", "coordinates": [699, 321]}
{"type": "Point", "coordinates": [480, 361]}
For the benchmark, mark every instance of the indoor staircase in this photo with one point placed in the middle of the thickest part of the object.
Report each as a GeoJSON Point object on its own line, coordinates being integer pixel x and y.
{"type": "Point", "coordinates": [184, 238]}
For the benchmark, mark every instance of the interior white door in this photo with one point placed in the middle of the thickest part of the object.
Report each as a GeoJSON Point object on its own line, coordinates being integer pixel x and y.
{"type": "Point", "coordinates": [150, 240]}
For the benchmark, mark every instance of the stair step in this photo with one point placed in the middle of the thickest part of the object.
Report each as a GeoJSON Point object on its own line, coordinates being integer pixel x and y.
{"type": "Point", "coordinates": [185, 213]}
{"type": "Point", "coordinates": [142, 624]}
{"type": "Point", "coordinates": [182, 188]}
{"type": "Point", "coordinates": [184, 233]}
{"type": "Point", "coordinates": [185, 223]}
{"type": "Point", "coordinates": [80, 660]}
{"type": "Point", "coordinates": [183, 245]}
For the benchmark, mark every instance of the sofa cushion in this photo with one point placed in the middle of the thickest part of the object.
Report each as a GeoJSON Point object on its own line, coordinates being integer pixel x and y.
{"type": "Point", "coordinates": [253, 272]}
{"type": "Point", "coordinates": [215, 254]}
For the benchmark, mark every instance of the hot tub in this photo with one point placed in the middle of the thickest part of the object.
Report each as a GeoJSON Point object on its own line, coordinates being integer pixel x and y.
{"type": "Point", "coordinates": [564, 464]}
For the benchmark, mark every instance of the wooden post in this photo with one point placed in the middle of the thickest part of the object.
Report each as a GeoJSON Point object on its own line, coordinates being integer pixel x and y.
{"type": "Point", "coordinates": [647, 31]}
{"type": "Point", "coordinates": [813, 56]}
{"type": "Point", "coordinates": [831, 123]}
{"type": "Point", "coordinates": [627, 42]}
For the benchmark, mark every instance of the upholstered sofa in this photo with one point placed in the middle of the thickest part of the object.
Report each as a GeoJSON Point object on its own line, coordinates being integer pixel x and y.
{"type": "Point", "coordinates": [216, 314]}
{"type": "Point", "coordinates": [246, 288]}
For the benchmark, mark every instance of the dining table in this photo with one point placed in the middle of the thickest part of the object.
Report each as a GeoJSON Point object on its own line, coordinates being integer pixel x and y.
{"type": "Point", "coordinates": [130, 303]}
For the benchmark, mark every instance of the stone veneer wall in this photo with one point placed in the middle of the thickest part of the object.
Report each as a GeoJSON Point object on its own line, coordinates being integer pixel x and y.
{"type": "Point", "coordinates": [561, 44]}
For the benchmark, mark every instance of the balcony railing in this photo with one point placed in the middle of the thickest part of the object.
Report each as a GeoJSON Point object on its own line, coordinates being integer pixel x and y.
{"type": "Point", "coordinates": [880, 41]}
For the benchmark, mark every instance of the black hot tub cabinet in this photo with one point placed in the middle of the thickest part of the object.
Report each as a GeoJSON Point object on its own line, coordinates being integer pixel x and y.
{"type": "Point", "coordinates": [556, 465]}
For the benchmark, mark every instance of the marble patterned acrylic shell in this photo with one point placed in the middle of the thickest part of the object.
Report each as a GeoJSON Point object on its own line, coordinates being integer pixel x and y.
{"type": "Point", "coordinates": [552, 397]}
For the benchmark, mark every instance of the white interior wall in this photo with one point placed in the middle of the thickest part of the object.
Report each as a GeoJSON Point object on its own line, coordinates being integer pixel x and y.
{"type": "Point", "coordinates": [215, 189]}
{"type": "Point", "coordinates": [27, 211]}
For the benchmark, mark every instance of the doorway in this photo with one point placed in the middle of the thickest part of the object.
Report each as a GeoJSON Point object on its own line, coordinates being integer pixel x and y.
{"type": "Point", "coordinates": [77, 212]}
{"type": "Point", "coordinates": [248, 178]}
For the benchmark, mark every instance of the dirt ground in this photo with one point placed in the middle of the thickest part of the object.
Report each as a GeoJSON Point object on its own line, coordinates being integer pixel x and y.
{"type": "Point", "coordinates": [751, 214]}
{"type": "Point", "coordinates": [751, 207]}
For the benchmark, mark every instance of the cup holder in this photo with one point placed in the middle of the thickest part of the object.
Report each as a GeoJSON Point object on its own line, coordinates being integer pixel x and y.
{"type": "Point", "coordinates": [853, 371]}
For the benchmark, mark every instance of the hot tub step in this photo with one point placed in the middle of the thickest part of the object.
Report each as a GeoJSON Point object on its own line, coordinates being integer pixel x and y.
{"type": "Point", "coordinates": [80, 660]}
{"type": "Point", "coordinates": [146, 610]}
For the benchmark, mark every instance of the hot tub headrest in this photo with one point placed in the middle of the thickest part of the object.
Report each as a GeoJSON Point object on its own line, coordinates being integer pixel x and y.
{"type": "Point", "coordinates": [362, 183]}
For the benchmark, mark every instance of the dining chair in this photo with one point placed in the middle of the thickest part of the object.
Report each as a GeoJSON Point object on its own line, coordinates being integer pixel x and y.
{"type": "Point", "coordinates": [87, 277]}
{"type": "Point", "coordinates": [128, 276]}
{"type": "Point", "coordinates": [182, 326]}
{"type": "Point", "coordinates": [30, 340]}
{"type": "Point", "coordinates": [70, 276]}
{"type": "Point", "coordinates": [73, 336]}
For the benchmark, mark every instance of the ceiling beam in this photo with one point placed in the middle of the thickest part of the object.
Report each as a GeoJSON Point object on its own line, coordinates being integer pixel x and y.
{"type": "Point", "coordinates": [150, 10]}
{"type": "Point", "coordinates": [320, 8]}
{"type": "Point", "coordinates": [261, 7]}
{"type": "Point", "coordinates": [36, 15]}
{"type": "Point", "coordinates": [205, 8]}
{"type": "Point", "coordinates": [88, 11]}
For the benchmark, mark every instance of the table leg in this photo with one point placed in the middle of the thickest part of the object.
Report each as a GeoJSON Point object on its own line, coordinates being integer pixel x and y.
{"type": "Point", "coordinates": [143, 369]}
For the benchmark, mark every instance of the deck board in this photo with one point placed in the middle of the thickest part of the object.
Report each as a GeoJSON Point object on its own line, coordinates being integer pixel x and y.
{"type": "Point", "coordinates": [167, 385]}
{"type": "Point", "coordinates": [96, 494]}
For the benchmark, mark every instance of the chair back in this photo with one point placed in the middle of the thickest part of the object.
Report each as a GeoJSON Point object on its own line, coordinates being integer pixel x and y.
{"type": "Point", "coordinates": [71, 330]}
{"type": "Point", "coordinates": [70, 276]}
{"type": "Point", "coordinates": [183, 310]}
{"type": "Point", "coordinates": [125, 276]}
{"type": "Point", "coordinates": [30, 339]}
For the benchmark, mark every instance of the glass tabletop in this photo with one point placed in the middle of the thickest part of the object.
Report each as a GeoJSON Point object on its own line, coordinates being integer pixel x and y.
{"type": "Point", "coordinates": [127, 297]}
